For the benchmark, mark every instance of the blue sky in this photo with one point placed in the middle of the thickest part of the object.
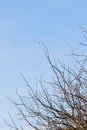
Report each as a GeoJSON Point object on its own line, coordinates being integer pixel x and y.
{"type": "Point", "coordinates": [23, 23]}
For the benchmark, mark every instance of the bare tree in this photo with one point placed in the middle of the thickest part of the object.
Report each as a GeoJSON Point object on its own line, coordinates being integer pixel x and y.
{"type": "Point", "coordinates": [62, 105]}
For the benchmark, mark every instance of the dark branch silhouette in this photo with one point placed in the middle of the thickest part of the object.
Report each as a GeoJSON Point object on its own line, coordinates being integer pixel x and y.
{"type": "Point", "coordinates": [62, 105]}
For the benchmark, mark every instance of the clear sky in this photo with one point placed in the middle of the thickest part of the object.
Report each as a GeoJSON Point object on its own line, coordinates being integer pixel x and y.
{"type": "Point", "coordinates": [23, 23]}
